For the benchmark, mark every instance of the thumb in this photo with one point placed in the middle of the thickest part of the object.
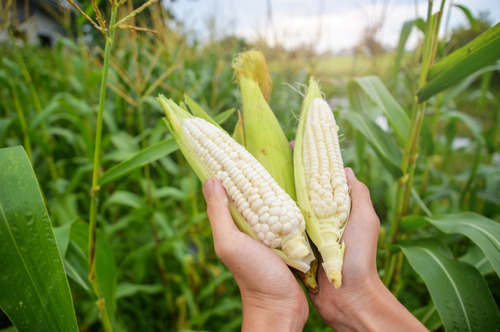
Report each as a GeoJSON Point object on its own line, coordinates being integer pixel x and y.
{"type": "Point", "coordinates": [221, 222]}
{"type": "Point", "coordinates": [362, 206]}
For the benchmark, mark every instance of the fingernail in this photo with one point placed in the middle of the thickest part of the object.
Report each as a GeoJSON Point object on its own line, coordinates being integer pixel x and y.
{"type": "Point", "coordinates": [209, 185]}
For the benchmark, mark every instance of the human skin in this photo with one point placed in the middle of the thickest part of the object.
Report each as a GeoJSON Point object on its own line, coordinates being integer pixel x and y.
{"type": "Point", "coordinates": [362, 303]}
{"type": "Point", "coordinates": [272, 299]}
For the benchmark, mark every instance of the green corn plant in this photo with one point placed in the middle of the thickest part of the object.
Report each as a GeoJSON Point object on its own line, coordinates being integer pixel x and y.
{"type": "Point", "coordinates": [109, 33]}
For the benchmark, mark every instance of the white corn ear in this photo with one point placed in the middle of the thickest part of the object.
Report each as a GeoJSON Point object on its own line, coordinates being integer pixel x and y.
{"type": "Point", "coordinates": [322, 190]}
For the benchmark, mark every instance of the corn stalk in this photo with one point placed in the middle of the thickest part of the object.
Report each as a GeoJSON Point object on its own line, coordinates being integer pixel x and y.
{"type": "Point", "coordinates": [410, 154]}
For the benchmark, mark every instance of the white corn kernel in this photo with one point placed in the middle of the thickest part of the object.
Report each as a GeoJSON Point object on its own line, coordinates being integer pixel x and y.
{"type": "Point", "coordinates": [269, 210]}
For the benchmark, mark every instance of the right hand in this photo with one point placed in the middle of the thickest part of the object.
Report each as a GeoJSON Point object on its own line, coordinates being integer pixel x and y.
{"type": "Point", "coordinates": [362, 302]}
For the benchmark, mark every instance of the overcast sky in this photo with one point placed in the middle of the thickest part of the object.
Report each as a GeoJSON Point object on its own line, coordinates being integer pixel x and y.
{"type": "Point", "coordinates": [329, 24]}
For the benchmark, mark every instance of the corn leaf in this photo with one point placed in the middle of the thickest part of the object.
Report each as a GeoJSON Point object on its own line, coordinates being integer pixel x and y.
{"type": "Point", "coordinates": [403, 38]}
{"type": "Point", "coordinates": [126, 289]}
{"type": "Point", "coordinates": [428, 316]}
{"type": "Point", "coordinates": [473, 124]}
{"type": "Point", "coordinates": [124, 198]}
{"type": "Point", "coordinates": [143, 157]}
{"type": "Point", "coordinates": [62, 237]}
{"type": "Point", "coordinates": [461, 295]}
{"type": "Point", "coordinates": [387, 151]}
{"type": "Point", "coordinates": [460, 88]}
{"type": "Point", "coordinates": [263, 136]}
{"type": "Point", "coordinates": [480, 52]}
{"type": "Point", "coordinates": [472, 20]}
{"type": "Point", "coordinates": [475, 257]}
{"type": "Point", "coordinates": [4, 125]}
{"type": "Point", "coordinates": [35, 292]}
{"type": "Point", "coordinates": [370, 96]}
{"type": "Point", "coordinates": [484, 232]}
{"type": "Point", "coordinates": [76, 264]}
{"type": "Point", "coordinates": [224, 115]}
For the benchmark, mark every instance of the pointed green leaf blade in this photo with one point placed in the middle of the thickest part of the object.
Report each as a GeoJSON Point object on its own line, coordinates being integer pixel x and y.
{"type": "Point", "coordinates": [460, 293]}
{"type": "Point", "coordinates": [484, 232]}
{"type": "Point", "coordinates": [387, 151]}
{"type": "Point", "coordinates": [366, 92]}
{"type": "Point", "coordinates": [143, 157]}
{"type": "Point", "coordinates": [34, 290]}
{"type": "Point", "coordinates": [481, 52]}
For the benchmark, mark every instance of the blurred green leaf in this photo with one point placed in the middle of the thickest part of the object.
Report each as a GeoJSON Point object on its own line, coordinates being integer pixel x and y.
{"type": "Point", "coordinates": [4, 125]}
{"type": "Point", "coordinates": [460, 293]}
{"type": "Point", "coordinates": [472, 20]}
{"type": "Point", "coordinates": [77, 265]}
{"type": "Point", "coordinates": [224, 115]}
{"type": "Point", "coordinates": [428, 316]}
{"type": "Point", "coordinates": [125, 198]}
{"type": "Point", "coordinates": [62, 238]}
{"type": "Point", "coordinates": [484, 232]}
{"type": "Point", "coordinates": [470, 122]}
{"type": "Point", "coordinates": [143, 157]}
{"type": "Point", "coordinates": [170, 192]}
{"type": "Point", "coordinates": [369, 91]}
{"type": "Point", "coordinates": [481, 52]}
{"type": "Point", "coordinates": [462, 87]}
{"type": "Point", "coordinates": [475, 257]}
{"type": "Point", "coordinates": [35, 292]}
{"type": "Point", "coordinates": [126, 289]}
{"type": "Point", "coordinates": [403, 38]}
{"type": "Point", "coordinates": [52, 106]}
{"type": "Point", "coordinates": [387, 151]}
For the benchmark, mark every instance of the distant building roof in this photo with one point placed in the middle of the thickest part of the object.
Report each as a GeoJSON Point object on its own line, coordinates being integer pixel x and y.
{"type": "Point", "coordinates": [37, 21]}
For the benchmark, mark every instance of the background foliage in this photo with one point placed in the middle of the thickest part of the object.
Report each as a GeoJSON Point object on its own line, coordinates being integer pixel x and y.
{"type": "Point", "coordinates": [155, 260]}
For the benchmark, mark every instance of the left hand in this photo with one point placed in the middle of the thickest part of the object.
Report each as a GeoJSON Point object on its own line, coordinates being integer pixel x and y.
{"type": "Point", "coordinates": [272, 298]}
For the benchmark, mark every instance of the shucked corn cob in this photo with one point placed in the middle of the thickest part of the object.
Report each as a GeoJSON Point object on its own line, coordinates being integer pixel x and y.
{"type": "Point", "coordinates": [259, 206]}
{"type": "Point", "coordinates": [322, 191]}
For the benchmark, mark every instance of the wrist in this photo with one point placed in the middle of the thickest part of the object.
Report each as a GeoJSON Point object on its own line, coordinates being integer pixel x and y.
{"type": "Point", "coordinates": [273, 315]}
{"type": "Point", "coordinates": [375, 309]}
{"type": "Point", "coordinates": [354, 311]}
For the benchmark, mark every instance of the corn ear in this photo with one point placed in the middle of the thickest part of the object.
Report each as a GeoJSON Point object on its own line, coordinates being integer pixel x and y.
{"type": "Point", "coordinates": [322, 191]}
{"type": "Point", "coordinates": [263, 135]}
{"type": "Point", "coordinates": [260, 131]}
{"type": "Point", "coordinates": [259, 206]}
{"type": "Point", "coordinates": [252, 65]}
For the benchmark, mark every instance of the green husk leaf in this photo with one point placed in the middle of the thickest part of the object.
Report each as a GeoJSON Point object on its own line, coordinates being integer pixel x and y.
{"type": "Point", "coordinates": [252, 65]}
{"type": "Point", "coordinates": [263, 136]}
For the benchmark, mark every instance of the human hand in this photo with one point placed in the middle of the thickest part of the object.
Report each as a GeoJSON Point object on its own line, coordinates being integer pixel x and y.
{"type": "Point", "coordinates": [272, 299]}
{"type": "Point", "coordinates": [362, 302]}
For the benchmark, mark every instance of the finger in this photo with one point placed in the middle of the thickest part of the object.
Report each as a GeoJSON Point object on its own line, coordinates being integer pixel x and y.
{"type": "Point", "coordinates": [221, 222]}
{"type": "Point", "coordinates": [362, 206]}
{"type": "Point", "coordinates": [363, 227]}
{"type": "Point", "coordinates": [292, 145]}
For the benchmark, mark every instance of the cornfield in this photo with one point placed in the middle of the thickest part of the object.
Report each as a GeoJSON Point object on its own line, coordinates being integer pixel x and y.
{"type": "Point", "coordinates": [103, 224]}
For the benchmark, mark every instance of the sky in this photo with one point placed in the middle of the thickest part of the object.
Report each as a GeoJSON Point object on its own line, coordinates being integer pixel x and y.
{"type": "Point", "coordinates": [329, 25]}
